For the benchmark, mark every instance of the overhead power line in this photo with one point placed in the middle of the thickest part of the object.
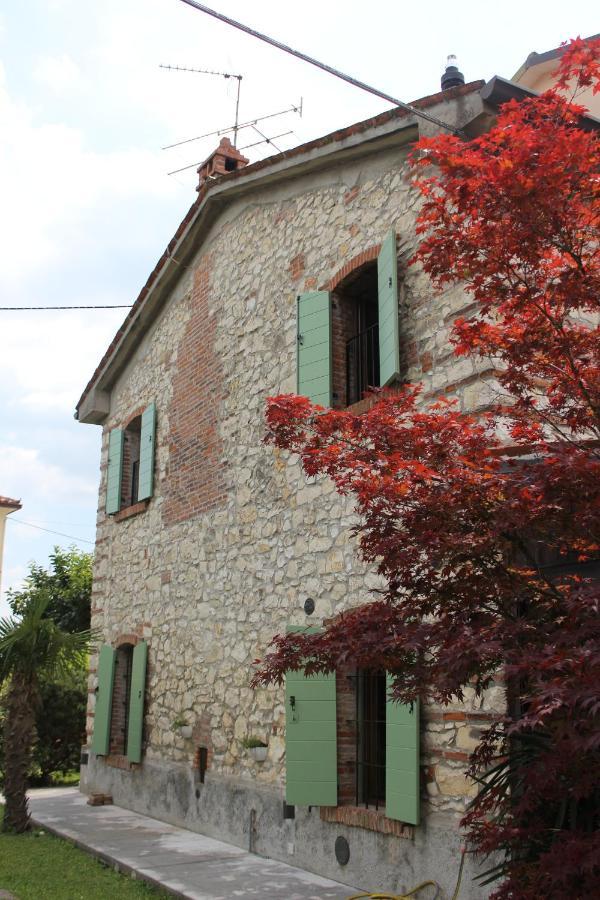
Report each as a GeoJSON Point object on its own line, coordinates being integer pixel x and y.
{"type": "Point", "coordinates": [59, 533]}
{"type": "Point", "coordinates": [325, 68]}
{"type": "Point", "coordinates": [106, 306]}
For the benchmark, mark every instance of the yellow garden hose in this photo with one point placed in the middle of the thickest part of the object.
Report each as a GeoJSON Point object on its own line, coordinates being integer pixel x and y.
{"type": "Point", "coordinates": [411, 893]}
{"type": "Point", "coordinates": [383, 896]}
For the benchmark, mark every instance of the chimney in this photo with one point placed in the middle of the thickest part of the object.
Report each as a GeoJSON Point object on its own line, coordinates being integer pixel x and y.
{"type": "Point", "coordinates": [221, 161]}
{"type": "Point", "coordinates": [452, 77]}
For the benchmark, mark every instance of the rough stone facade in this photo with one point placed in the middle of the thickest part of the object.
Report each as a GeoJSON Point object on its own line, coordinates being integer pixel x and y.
{"type": "Point", "coordinates": [236, 538]}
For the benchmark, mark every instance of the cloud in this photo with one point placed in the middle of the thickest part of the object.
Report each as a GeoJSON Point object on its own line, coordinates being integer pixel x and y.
{"type": "Point", "coordinates": [25, 473]}
{"type": "Point", "coordinates": [41, 379]}
{"type": "Point", "coordinates": [56, 186]}
{"type": "Point", "coordinates": [59, 73]}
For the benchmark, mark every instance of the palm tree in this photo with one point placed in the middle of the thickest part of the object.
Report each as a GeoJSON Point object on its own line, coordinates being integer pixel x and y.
{"type": "Point", "coordinates": [30, 647]}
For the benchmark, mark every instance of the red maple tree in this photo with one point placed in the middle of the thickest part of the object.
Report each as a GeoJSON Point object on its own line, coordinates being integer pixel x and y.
{"type": "Point", "coordinates": [460, 512]}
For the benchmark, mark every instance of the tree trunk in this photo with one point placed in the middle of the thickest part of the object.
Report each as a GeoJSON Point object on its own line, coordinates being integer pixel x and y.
{"type": "Point", "coordinates": [19, 734]}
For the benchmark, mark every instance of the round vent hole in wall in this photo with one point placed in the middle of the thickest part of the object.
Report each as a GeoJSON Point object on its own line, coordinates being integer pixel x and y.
{"type": "Point", "coordinates": [342, 850]}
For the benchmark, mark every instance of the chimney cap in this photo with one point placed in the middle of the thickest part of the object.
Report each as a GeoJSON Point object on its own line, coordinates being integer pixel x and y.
{"type": "Point", "coordinates": [225, 158]}
{"type": "Point", "coordinates": [452, 77]}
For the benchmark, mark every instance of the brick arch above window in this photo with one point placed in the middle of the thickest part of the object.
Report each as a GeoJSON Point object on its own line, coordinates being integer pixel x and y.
{"type": "Point", "coordinates": [357, 262]}
{"type": "Point", "coordinates": [128, 638]}
{"type": "Point", "coordinates": [134, 414]}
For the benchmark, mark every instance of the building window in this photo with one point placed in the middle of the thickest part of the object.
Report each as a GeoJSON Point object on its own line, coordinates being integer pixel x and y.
{"type": "Point", "coordinates": [348, 340]}
{"type": "Point", "coordinates": [361, 699]}
{"type": "Point", "coordinates": [130, 470]}
{"type": "Point", "coordinates": [355, 336]}
{"type": "Point", "coordinates": [119, 721]}
{"type": "Point", "coordinates": [130, 477]}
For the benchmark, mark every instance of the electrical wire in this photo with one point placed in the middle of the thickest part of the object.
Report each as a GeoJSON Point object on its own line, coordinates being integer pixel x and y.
{"type": "Point", "coordinates": [49, 530]}
{"type": "Point", "coordinates": [107, 306]}
{"type": "Point", "coordinates": [319, 65]}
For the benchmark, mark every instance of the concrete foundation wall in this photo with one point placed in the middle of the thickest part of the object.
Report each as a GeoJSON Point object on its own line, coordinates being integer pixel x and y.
{"type": "Point", "coordinates": [250, 815]}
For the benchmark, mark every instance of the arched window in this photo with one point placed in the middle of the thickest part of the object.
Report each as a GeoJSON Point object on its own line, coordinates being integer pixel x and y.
{"type": "Point", "coordinates": [348, 336]}
{"type": "Point", "coordinates": [120, 694]}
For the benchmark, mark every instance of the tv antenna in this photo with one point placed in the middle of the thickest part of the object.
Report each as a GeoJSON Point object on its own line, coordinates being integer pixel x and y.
{"type": "Point", "coordinates": [235, 128]}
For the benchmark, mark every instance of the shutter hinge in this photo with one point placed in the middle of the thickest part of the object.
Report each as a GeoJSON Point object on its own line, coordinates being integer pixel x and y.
{"type": "Point", "coordinates": [300, 338]}
{"type": "Point", "coordinates": [390, 281]}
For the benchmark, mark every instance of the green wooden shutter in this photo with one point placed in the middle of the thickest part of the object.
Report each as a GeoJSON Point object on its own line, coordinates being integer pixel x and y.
{"type": "Point", "coordinates": [104, 693]}
{"type": "Point", "coordinates": [314, 347]}
{"type": "Point", "coordinates": [146, 477]}
{"type": "Point", "coordinates": [310, 737]}
{"type": "Point", "coordinates": [387, 282]}
{"type": "Point", "coordinates": [136, 703]}
{"type": "Point", "coordinates": [115, 470]}
{"type": "Point", "coordinates": [401, 760]}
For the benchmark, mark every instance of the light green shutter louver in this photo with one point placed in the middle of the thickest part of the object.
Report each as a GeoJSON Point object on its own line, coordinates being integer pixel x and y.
{"type": "Point", "coordinates": [387, 292]}
{"type": "Point", "coordinates": [310, 738]}
{"type": "Point", "coordinates": [136, 703]}
{"type": "Point", "coordinates": [146, 476]}
{"type": "Point", "coordinates": [401, 760]}
{"type": "Point", "coordinates": [104, 693]}
{"type": "Point", "coordinates": [115, 471]}
{"type": "Point", "coordinates": [314, 347]}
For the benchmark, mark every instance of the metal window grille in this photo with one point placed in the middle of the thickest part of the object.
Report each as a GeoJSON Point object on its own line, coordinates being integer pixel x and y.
{"type": "Point", "coordinates": [362, 363]}
{"type": "Point", "coordinates": [126, 698]}
{"type": "Point", "coordinates": [135, 480]}
{"type": "Point", "coordinates": [370, 721]}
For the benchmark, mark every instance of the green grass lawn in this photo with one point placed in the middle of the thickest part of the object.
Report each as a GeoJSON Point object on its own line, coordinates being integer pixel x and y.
{"type": "Point", "coordinates": [38, 865]}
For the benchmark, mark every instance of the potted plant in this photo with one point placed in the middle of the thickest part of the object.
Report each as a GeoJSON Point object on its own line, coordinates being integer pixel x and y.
{"type": "Point", "coordinates": [255, 747]}
{"type": "Point", "coordinates": [180, 724]}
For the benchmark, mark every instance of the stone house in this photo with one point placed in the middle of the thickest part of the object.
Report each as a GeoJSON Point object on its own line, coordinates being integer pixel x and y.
{"type": "Point", "coordinates": [285, 275]}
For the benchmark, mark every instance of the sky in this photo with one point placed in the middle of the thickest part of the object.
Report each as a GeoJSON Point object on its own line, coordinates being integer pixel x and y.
{"type": "Point", "coordinates": [87, 204]}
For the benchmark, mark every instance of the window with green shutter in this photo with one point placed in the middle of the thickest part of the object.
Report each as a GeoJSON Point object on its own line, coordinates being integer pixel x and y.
{"type": "Point", "coordinates": [135, 725]}
{"type": "Point", "coordinates": [104, 698]}
{"type": "Point", "coordinates": [131, 460]}
{"type": "Point", "coordinates": [402, 786]}
{"type": "Point", "coordinates": [114, 473]}
{"type": "Point", "coordinates": [387, 293]}
{"type": "Point", "coordinates": [364, 327]}
{"type": "Point", "coordinates": [146, 468]}
{"type": "Point", "coordinates": [310, 736]}
{"type": "Point", "coordinates": [310, 740]}
{"type": "Point", "coordinates": [314, 347]}
{"type": "Point", "coordinates": [376, 762]}
{"type": "Point", "coordinates": [119, 711]}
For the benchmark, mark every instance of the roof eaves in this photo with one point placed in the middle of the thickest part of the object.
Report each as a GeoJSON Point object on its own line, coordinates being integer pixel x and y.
{"type": "Point", "coordinates": [499, 90]}
{"type": "Point", "coordinates": [9, 503]}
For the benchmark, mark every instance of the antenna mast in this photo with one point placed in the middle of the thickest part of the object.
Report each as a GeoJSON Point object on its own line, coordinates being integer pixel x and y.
{"type": "Point", "coordinates": [223, 75]}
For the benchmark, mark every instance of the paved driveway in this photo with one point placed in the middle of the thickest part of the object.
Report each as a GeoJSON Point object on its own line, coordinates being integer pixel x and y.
{"type": "Point", "coordinates": [183, 862]}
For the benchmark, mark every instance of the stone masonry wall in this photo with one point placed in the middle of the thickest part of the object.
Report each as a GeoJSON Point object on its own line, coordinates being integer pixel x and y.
{"type": "Point", "coordinates": [236, 538]}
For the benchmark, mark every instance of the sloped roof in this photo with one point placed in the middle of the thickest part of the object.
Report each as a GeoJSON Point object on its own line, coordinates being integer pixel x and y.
{"type": "Point", "coordinates": [358, 129]}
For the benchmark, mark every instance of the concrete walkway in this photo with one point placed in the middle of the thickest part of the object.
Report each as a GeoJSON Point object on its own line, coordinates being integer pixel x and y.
{"type": "Point", "coordinates": [182, 862]}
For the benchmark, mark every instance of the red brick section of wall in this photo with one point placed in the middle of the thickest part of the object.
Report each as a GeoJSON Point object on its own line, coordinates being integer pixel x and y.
{"type": "Point", "coordinates": [196, 482]}
{"type": "Point", "coordinates": [297, 264]}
